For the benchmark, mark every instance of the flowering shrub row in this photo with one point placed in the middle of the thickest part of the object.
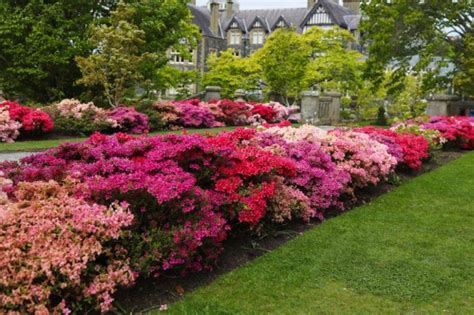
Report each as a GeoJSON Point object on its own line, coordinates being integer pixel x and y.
{"type": "Point", "coordinates": [73, 117]}
{"type": "Point", "coordinates": [194, 113]}
{"type": "Point", "coordinates": [456, 131]}
{"type": "Point", "coordinates": [16, 119]}
{"type": "Point", "coordinates": [95, 215]}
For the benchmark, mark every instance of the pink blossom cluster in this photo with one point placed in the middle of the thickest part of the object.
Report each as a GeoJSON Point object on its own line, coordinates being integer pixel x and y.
{"type": "Point", "coordinates": [367, 161]}
{"type": "Point", "coordinates": [409, 149]}
{"type": "Point", "coordinates": [15, 118]}
{"type": "Point", "coordinates": [9, 128]}
{"type": "Point", "coordinates": [59, 251]}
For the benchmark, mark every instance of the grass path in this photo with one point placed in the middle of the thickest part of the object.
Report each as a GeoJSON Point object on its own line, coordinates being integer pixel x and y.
{"type": "Point", "coordinates": [409, 251]}
{"type": "Point", "coordinates": [39, 145]}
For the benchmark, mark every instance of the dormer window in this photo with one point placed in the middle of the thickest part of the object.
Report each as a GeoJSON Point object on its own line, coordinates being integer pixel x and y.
{"type": "Point", "coordinates": [258, 37]}
{"type": "Point", "coordinates": [234, 38]}
{"type": "Point", "coordinates": [234, 25]}
{"type": "Point", "coordinates": [257, 24]}
{"type": "Point", "coordinates": [320, 17]}
{"type": "Point", "coordinates": [281, 24]}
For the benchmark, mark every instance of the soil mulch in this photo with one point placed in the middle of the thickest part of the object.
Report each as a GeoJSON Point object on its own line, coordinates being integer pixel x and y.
{"type": "Point", "coordinates": [149, 294]}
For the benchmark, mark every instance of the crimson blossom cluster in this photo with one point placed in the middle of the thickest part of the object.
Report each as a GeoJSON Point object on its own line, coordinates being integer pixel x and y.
{"type": "Point", "coordinates": [16, 119]}
{"type": "Point", "coordinates": [83, 219]}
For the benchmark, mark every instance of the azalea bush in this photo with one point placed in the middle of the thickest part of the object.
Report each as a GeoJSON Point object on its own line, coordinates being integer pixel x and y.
{"type": "Point", "coordinates": [459, 131]}
{"type": "Point", "coordinates": [60, 253]}
{"type": "Point", "coordinates": [367, 161]}
{"type": "Point", "coordinates": [414, 148]}
{"type": "Point", "coordinates": [9, 128]}
{"type": "Point", "coordinates": [71, 117]}
{"type": "Point", "coordinates": [128, 119]}
{"type": "Point", "coordinates": [33, 121]}
{"type": "Point", "coordinates": [216, 113]}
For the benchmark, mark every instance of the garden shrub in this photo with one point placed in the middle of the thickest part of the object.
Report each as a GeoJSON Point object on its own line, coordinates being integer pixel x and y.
{"type": "Point", "coordinates": [128, 119]}
{"type": "Point", "coordinates": [33, 121]}
{"type": "Point", "coordinates": [414, 148]}
{"type": "Point", "coordinates": [9, 128]}
{"type": "Point", "coordinates": [459, 131]}
{"type": "Point", "coordinates": [65, 254]}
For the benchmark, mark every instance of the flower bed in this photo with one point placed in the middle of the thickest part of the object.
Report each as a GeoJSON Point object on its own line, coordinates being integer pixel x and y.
{"type": "Point", "coordinates": [75, 118]}
{"type": "Point", "coordinates": [126, 206]}
{"type": "Point", "coordinates": [217, 113]}
{"type": "Point", "coordinates": [16, 120]}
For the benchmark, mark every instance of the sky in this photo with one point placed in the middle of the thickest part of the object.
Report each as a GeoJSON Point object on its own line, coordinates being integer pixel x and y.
{"type": "Point", "coordinates": [262, 4]}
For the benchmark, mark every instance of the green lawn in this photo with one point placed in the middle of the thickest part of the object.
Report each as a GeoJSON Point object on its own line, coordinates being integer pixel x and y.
{"type": "Point", "coordinates": [38, 145]}
{"type": "Point", "coordinates": [409, 251]}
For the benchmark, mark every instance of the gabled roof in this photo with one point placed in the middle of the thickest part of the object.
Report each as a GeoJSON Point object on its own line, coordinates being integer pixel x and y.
{"type": "Point", "coordinates": [202, 19]}
{"type": "Point", "coordinates": [269, 18]}
{"type": "Point", "coordinates": [280, 19]}
{"type": "Point", "coordinates": [263, 22]}
{"type": "Point", "coordinates": [334, 10]}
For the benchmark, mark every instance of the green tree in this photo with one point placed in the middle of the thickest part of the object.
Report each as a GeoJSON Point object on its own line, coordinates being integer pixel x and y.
{"type": "Point", "coordinates": [38, 43]}
{"type": "Point", "coordinates": [231, 72]}
{"type": "Point", "coordinates": [426, 37]}
{"type": "Point", "coordinates": [464, 79]}
{"type": "Point", "coordinates": [115, 63]}
{"type": "Point", "coordinates": [333, 66]}
{"type": "Point", "coordinates": [409, 102]}
{"type": "Point", "coordinates": [283, 59]}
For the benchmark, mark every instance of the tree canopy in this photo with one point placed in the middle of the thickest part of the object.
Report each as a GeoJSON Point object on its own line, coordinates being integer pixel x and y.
{"type": "Point", "coordinates": [430, 38]}
{"type": "Point", "coordinates": [232, 72]}
{"type": "Point", "coordinates": [40, 39]}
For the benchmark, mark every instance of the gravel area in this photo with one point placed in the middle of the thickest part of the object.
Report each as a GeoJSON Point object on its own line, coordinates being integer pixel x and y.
{"type": "Point", "coordinates": [14, 156]}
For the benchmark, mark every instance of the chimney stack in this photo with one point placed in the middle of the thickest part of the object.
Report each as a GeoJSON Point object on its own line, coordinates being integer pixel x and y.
{"type": "Point", "coordinates": [193, 2]}
{"type": "Point", "coordinates": [311, 3]}
{"type": "Point", "coordinates": [215, 17]}
{"type": "Point", "coordinates": [230, 9]}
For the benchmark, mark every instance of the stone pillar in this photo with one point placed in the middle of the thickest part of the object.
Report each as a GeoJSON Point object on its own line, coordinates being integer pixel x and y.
{"type": "Point", "coordinates": [335, 107]}
{"type": "Point", "coordinates": [309, 105]}
{"type": "Point", "coordinates": [438, 105]}
{"type": "Point", "coordinates": [212, 93]}
{"type": "Point", "coordinates": [239, 95]}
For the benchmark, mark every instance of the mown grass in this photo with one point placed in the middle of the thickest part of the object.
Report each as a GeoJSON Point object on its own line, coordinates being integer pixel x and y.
{"type": "Point", "coordinates": [409, 251]}
{"type": "Point", "coordinates": [39, 145]}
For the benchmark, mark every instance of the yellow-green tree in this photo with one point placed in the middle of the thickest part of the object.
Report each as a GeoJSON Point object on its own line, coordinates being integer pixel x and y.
{"type": "Point", "coordinates": [232, 72]}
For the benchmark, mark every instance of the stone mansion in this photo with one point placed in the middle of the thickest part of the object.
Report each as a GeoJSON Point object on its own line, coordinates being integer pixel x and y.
{"type": "Point", "coordinates": [224, 26]}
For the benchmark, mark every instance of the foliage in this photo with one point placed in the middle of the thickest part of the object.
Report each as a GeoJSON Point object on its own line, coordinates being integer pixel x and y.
{"type": "Point", "coordinates": [115, 63]}
{"type": "Point", "coordinates": [283, 59]}
{"type": "Point", "coordinates": [63, 255]}
{"type": "Point", "coordinates": [37, 58]}
{"type": "Point", "coordinates": [408, 102]}
{"type": "Point", "coordinates": [417, 37]}
{"type": "Point", "coordinates": [464, 79]}
{"type": "Point", "coordinates": [232, 72]}
{"type": "Point", "coordinates": [381, 118]}
{"type": "Point", "coordinates": [333, 66]}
